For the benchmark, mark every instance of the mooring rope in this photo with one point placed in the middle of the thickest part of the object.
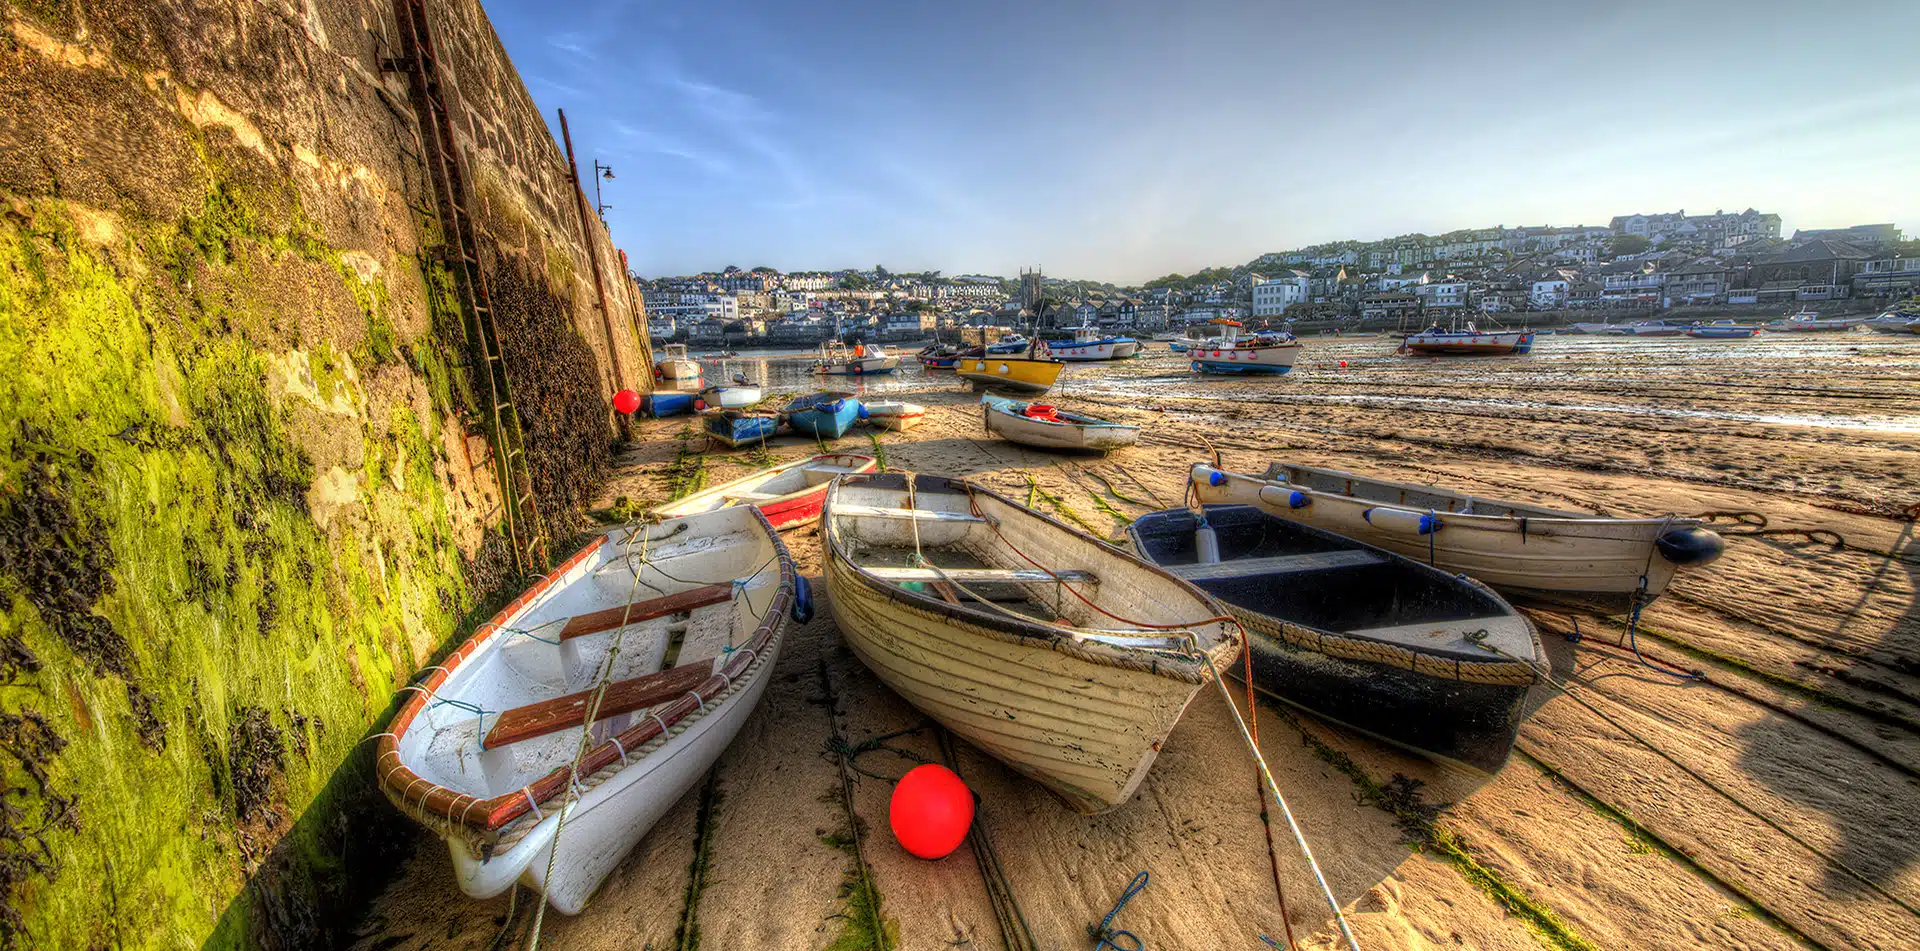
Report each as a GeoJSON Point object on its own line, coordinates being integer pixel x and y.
{"type": "Point", "coordinates": [1015, 935]}
{"type": "Point", "coordinates": [1104, 934]}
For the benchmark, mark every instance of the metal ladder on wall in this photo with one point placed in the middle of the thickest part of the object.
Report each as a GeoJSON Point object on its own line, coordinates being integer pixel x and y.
{"type": "Point", "coordinates": [462, 252]}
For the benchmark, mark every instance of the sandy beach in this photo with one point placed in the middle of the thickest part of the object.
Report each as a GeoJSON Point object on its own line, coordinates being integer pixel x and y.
{"type": "Point", "coordinates": [1770, 805]}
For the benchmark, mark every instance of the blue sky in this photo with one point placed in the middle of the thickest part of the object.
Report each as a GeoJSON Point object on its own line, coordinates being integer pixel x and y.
{"type": "Point", "coordinates": [1120, 141]}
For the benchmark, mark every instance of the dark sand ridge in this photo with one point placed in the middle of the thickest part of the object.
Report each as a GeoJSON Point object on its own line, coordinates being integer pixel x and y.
{"type": "Point", "coordinates": [1586, 838]}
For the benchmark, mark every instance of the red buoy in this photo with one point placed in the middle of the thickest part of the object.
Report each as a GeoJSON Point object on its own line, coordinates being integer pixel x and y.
{"type": "Point", "coordinates": [626, 401]}
{"type": "Point", "coordinates": [1343, 363]}
{"type": "Point", "coordinates": [931, 811]}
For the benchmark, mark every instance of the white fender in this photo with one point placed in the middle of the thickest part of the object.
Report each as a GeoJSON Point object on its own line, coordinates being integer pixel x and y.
{"type": "Point", "coordinates": [1404, 521]}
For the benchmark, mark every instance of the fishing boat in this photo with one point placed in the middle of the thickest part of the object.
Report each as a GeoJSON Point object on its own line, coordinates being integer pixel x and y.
{"type": "Point", "coordinates": [1168, 336]}
{"type": "Point", "coordinates": [736, 396]}
{"type": "Point", "coordinates": [1089, 344]}
{"type": "Point", "coordinates": [1051, 651]}
{"type": "Point", "coordinates": [720, 355]}
{"type": "Point", "coordinates": [737, 428]}
{"type": "Point", "coordinates": [1011, 374]}
{"type": "Point", "coordinates": [895, 415]}
{"type": "Point", "coordinates": [825, 415]}
{"type": "Point", "coordinates": [1046, 427]}
{"type": "Point", "coordinates": [1358, 635]}
{"type": "Point", "coordinates": [1894, 322]}
{"type": "Point", "coordinates": [1011, 343]}
{"type": "Point", "coordinates": [1557, 561]}
{"type": "Point", "coordinates": [1465, 338]}
{"type": "Point", "coordinates": [836, 359]}
{"type": "Point", "coordinates": [1655, 328]}
{"type": "Point", "coordinates": [1604, 328]}
{"type": "Point", "coordinates": [1809, 321]}
{"type": "Point", "coordinates": [1722, 330]}
{"type": "Point", "coordinates": [687, 618]}
{"type": "Point", "coordinates": [663, 403]}
{"type": "Point", "coordinates": [675, 368]}
{"type": "Point", "coordinates": [788, 494]}
{"type": "Point", "coordinates": [1232, 353]}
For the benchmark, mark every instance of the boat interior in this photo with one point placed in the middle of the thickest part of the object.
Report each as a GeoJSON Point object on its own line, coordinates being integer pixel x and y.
{"type": "Point", "coordinates": [807, 474]}
{"type": "Point", "coordinates": [512, 712]}
{"type": "Point", "coordinates": [1316, 579]}
{"type": "Point", "coordinates": [1019, 408]}
{"type": "Point", "coordinates": [1402, 494]}
{"type": "Point", "coordinates": [978, 560]}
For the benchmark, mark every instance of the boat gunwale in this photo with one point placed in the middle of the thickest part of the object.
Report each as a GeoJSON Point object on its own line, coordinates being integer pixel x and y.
{"type": "Point", "coordinates": [1029, 632]}
{"type": "Point", "coordinates": [1068, 420]}
{"type": "Point", "coordinates": [465, 813]}
{"type": "Point", "coordinates": [1480, 520]}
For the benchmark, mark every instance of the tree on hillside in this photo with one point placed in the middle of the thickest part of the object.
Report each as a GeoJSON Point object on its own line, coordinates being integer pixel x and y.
{"type": "Point", "coordinates": [854, 282]}
{"type": "Point", "coordinates": [1625, 244]}
{"type": "Point", "coordinates": [763, 269]}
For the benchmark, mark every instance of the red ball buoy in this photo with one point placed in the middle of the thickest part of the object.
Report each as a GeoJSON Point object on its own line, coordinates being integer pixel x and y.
{"type": "Point", "coordinates": [626, 401]}
{"type": "Point", "coordinates": [931, 811]}
{"type": "Point", "coordinates": [1343, 363]}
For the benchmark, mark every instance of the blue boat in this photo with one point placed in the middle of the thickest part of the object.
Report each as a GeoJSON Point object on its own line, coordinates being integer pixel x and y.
{"type": "Point", "coordinates": [826, 415]}
{"type": "Point", "coordinates": [1721, 330]}
{"type": "Point", "coordinates": [738, 429]}
{"type": "Point", "coordinates": [660, 403]}
{"type": "Point", "coordinates": [1013, 344]}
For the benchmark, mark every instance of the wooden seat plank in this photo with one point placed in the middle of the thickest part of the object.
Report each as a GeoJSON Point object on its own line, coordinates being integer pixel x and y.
{"type": "Point", "coordinates": [625, 696]}
{"type": "Point", "coordinates": [981, 575]}
{"type": "Point", "coordinates": [1276, 565]}
{"type": "Point", "coordinates": [581, 625]}
{"type": "Point", "coordinates": [924, 515]}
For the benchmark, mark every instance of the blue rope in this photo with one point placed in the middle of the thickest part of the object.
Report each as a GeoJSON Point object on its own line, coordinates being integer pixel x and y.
{"type": "Point", "coordinates": [1105, 935]}
{"type": "Point", "coordinates": [1633, 642]}
{"type": "Point", "coordinates": [461, 705]}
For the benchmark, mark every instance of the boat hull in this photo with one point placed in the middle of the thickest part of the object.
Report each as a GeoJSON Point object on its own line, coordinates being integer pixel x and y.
{"type": "Point", "coordinates": [731, 397]}
{"type": "Point", "coordinates": [1011, 374]}
{"type": "Point", "coordinates": [663, 403]}
{"type": "Point", "coordinates": [1565, 563]}
{"type": "Point", "coordinates": [1083, 352]}
{"type": "Point", "coordinates": [1004, 418]}
{"type": "Point", "coordinates": [1278, 359]}
{"type": "Point", "coordinates": [738, 430]}
{"type": "Point", "coordinates": [1470, 344]}
{"type": "Point", "coordinates": [899, 417]}
{"type": "Point", "coordinates": [783, 510]}
{"type": "Point", "coordinates": [827, 419]}
{"type": "Point", "coordinates": [1719, 333]}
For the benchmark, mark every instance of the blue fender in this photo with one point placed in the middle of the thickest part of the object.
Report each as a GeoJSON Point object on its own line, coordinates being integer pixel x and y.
{"type": "Point", "coordinates": [1690, 546]}
{"type": "Point", "coordinates": [1298, 500]}
{"type": "Point", "coordinates": [802, 600]}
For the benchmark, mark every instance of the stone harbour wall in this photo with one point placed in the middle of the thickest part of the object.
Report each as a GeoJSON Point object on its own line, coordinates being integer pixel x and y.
{"type": "Point", "coordinates": [245, 484]}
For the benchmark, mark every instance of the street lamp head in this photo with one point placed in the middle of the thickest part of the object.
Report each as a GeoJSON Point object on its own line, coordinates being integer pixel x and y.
{"type": "Point", "coordinates": [606, 171]}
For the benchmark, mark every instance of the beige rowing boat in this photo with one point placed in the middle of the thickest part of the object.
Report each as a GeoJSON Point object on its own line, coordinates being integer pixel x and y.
{"type": "Point", "coordinates": [933, 590]}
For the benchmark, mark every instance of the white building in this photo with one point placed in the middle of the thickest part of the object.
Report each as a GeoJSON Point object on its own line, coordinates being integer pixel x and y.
{"type": "Point", "coordinates": [1271, 298]}
{"type": "Point", "coordinates": [1549, 292]}
{"type": "Point", "coordinates": [1443, 293]}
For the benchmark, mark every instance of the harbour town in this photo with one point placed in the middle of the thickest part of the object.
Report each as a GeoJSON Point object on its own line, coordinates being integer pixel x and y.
{"type": "Point", "coordinates": [412, 542]}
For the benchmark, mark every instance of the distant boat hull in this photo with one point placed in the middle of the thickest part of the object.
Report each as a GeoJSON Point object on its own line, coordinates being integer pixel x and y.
{"type": "Point", "coordinates": [1241, 359]}
{"type": "Point", "coordinates": [1471, 343]}
{"type": "Point", "coordinates": [731, 397]}
{"type": "Point", "coordinates": [1012, 374]}
{"type": "Point", "coordinates": [1084, 352]}
{"type": "Point", "coordinates": [788, 495]}
{"type": "Point", "coordinates": [868, 366]}
{"type": "Point", "coordinates": [738, 429]}
{"type": "Point", "coordinates": [663, 403]}
{"type": "Point", "coordinates": [1722, 333]}
{"type": "Point", "coordinates": [898, 417]}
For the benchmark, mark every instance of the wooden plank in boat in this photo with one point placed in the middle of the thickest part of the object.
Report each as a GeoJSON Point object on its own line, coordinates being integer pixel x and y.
{"type": "Point", "coordinates": [625, 696]}
{"type": "Point", "coordinates": [746, 496]}
{"type": "Point", "coordinates": [980, 575]}
{"type": "Point", "coordinates": [583, 624]}
{"type": "Point", "coordinates": [1278, 564]}
{"type": "Point", "coordinates": [925, 515]}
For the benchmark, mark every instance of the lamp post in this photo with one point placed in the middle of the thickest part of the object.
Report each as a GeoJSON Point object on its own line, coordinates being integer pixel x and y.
{"type": "Point", "coordinates": [599, 172]}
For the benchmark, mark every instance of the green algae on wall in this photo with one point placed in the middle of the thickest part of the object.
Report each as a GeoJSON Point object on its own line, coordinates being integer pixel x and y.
{"type": "Point", "coordinates": [248, 616]}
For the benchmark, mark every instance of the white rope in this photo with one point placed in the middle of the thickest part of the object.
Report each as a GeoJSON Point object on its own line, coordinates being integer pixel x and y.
{"type": "Point", "coordinates": [696, 699]}
{"type": "Point", "coordinates": [537, 814]}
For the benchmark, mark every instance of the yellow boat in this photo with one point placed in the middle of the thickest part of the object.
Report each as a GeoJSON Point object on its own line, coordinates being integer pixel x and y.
{"type": "Point", "coordinates": [1013, 374]}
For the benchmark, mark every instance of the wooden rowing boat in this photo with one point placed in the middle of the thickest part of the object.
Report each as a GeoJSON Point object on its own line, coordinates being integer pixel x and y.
{"type": "Point", "coordinates": [1361, 636]}
{"type": "Point", "coordinates": [1558, 561]}
{"type": "Point", "coordinates": [787, 494]}
{"type": "Point", "coordinates": [896, 416]}
{"type": "Point", "coordinates": [737, 428]}
{"type": "Point", "coordinates": [934, 592]}
{"type": "Point", "coordinates": [483, 747]}
{"type": "Point", "coordinates": [1045, 427]}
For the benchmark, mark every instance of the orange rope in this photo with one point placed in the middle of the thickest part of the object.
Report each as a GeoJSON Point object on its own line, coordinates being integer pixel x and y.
{"type": "Point", "coordinates": [1266, 824]}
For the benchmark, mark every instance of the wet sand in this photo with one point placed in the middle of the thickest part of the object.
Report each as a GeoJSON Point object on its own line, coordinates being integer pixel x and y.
{"type": "Point", "coordinates": [1810, 713]}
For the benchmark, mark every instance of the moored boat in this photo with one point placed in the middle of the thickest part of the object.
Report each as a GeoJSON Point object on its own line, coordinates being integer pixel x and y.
{"type": "Point", "coordinates": [1089, 344]}
{"type": "Point", "coordinates": [1046, 427]}
{"type": "Point", "coordinates": [826, 415]}
{"type": "Point", "coordinates": [1467, 339]}
{"type": "Point", "coordinates": [1557, 561]}
{"type": "Point", "coordinates": [895, 415]}
{"type": "Point", "coordinates": [1722, 330]}
{"type": "Point", "coordinates": [1012, 343]}
{"type": "Point", "coordinates": [935, 590]}
{"type": "Point", "coordinates": [687, 618]}
{"type": "Point", "coordinates": [674, 368]}
{"type": "Point", "coordinates": [1358, 635]}
{"type": "Point", "coordinates": [734, 396]}
{"type": "Point", "coordinates": [1655, 328]}
{"type": "Point", "coordinates": [1232, 353]}
{"type": "Point", "coordinates": [1604, 328]}
{"type": "Point", "coordinates": [1810, 321]}
{"type": "Point", "coordinates": [1894, 322]}
{"type": "Point", "coordinates": [836, 359]}
{"type": "Point", "coordinates": [737, 428]}
{"type": "Point", "coordinates": [1011, 374]}
{"type": "Point", "coordinates": [787, 494]}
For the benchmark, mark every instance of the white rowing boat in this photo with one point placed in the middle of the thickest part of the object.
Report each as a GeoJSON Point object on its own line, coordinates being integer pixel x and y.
{"type": "Point", "coordinates": [1559, 561]}
{"type": "Point", "coordinates": [935, 588]}
{"type": "Point", "coordinates": [483, 748]}
{"type": "Point", "coordinates": [787, 494]}
{"type": "Point", "coordinates": [1045, 427]}
{"type": "Point", "coordinates": [896, 416]}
